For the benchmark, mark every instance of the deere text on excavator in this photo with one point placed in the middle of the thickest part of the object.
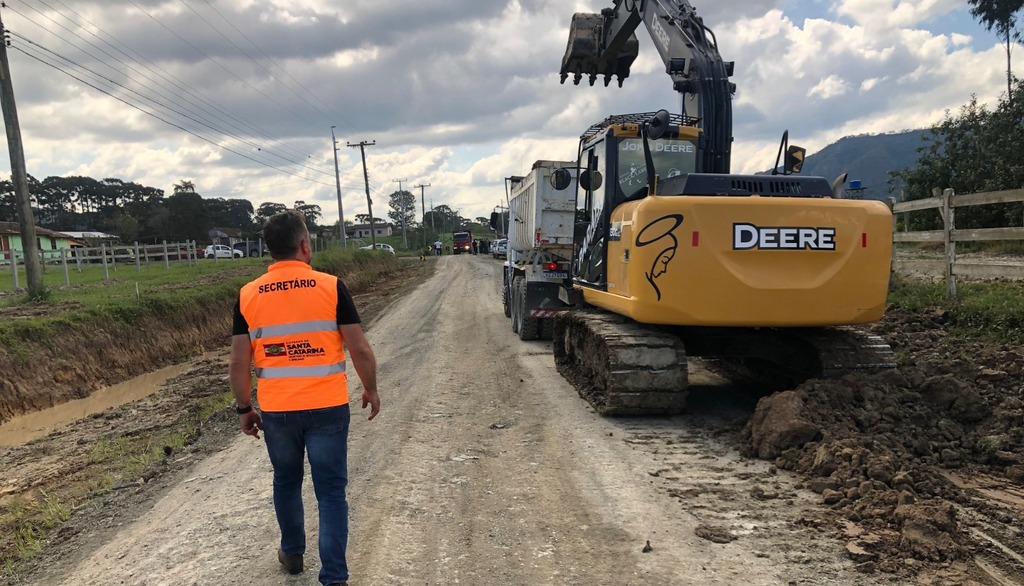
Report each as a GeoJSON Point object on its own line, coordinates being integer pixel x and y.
{"type": "Point", "coordinates": [673, 256]}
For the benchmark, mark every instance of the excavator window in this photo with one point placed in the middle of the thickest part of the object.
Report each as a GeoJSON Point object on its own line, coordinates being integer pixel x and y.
{"type": "Point", "coordinates": [672, 157]}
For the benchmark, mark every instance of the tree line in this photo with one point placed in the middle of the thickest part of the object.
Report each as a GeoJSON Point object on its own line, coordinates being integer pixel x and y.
{"type": "Point", "coordinates": [977, 149]}
{"type": "Point", "coordinates": [135, 212]}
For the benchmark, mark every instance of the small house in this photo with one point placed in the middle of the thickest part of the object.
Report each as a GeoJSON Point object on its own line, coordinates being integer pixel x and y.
{"type": "Point", "coordinates": [46, 240]}
{"type": "Point", "coordinates": [380, 229]}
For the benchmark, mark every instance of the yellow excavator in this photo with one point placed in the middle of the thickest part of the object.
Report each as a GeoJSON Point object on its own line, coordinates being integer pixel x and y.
{"type": "Point", "coordinates": [674, 256]}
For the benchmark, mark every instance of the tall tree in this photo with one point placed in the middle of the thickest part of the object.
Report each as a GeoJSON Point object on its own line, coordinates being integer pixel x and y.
{"type": "Point", "coordinates": [402, 206]}
{"type": "Point", "coordinates": [184, 186]}
{"type": "Point", "coordinates": [230, 212]}
{"type": "Point", "coordinates": [1000, 15]}
{"type": "Point", "coordinates": [125, 226]}
{"type": "Point", "coordinates": [363, 218]}
{"type": "Point", "coordinates": [158, 223]}
{"type": "Point", "coordinates": [311, 212]}
{"type": "Point", "coordinates": [187, 217]}
{"type": "Point", "coordinates": [444, 219]}
{"type": "Point", "coordinates": [8, 204]}
{"type": "Point", "coordinates": [975, 150]}
{"type": "Point", "coordinates": [267, 209]}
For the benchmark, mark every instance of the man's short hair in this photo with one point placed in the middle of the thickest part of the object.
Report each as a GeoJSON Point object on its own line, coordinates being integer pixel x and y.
{"type": "Point", "coordinates": [283, 233]}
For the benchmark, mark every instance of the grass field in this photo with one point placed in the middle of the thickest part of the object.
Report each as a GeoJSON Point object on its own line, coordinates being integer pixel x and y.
{"type": "Point", "coordinates": [983, 309]}
{"type": "Point", "coordinates": [88, 285]}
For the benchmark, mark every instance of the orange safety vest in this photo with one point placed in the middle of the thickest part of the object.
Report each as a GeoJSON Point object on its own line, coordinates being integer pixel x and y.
{"type": "Point", "coordinates": [297, 348]}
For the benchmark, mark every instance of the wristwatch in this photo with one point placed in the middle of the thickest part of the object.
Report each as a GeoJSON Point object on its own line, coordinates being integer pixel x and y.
{"type": "Point", "coordinates": [243, 410]}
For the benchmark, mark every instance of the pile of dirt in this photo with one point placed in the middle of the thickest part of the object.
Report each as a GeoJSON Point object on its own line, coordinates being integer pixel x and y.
{"type": "Point", "coordinates": [895, 451]}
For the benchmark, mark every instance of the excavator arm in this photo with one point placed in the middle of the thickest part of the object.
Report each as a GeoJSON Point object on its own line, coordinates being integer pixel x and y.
{"type": "Point", "coordinates": [605, 45]}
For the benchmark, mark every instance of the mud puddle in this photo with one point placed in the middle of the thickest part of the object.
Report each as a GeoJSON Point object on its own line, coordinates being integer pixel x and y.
{"type": "Point", "coordinates": [25, 428]}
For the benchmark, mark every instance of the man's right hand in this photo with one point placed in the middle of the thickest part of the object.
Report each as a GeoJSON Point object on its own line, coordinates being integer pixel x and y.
{"type": "Point", "coordinates": [373, 400]}
{"type": "Point", "coordinates": [251, 423]}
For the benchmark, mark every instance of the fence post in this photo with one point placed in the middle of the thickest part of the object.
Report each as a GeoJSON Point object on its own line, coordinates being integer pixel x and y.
{"type": "Point", "coordinates": [193, 253]}
{"type": "Point", "coordinates": [78, 260]}
{"type": "Point", "coordinates": [64, 265]}
{"type": "Point", "coordinates": [892, 258]}
{"type": "Point", "coordinates": [138, 261]}
{"type": "Point", "coordinates": [167, 258]}
{"type": "Point", "coordinates": [14, 268]}
{"type": "Point", "coordinates": [103, 257]}
{"type": "Point", "coordinates": [949, 224]}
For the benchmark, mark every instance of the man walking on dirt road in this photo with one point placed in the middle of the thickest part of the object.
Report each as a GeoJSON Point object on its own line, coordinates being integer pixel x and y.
{"type": "Point", "coordinates": [294, 323]}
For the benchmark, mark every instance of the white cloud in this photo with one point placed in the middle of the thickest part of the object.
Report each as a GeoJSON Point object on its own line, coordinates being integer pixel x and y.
{"type": "Point", "coordinates": [883, 14]}
{"type": "Point", "coordinates": [830, 87]}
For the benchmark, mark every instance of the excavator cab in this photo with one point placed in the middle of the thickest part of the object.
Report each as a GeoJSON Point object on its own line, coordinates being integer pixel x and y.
{"type": "Point", "coordinates": [619, 163]}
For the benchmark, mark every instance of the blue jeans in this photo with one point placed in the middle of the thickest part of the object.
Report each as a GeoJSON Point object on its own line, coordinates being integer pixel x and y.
{"type": "Point", "coordinates": [323, 435]}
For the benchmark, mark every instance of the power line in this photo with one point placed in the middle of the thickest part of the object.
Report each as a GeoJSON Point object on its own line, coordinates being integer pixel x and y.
{"type": "Point", "coordinates": [155, 105]}
{"type": "Point", "coordinates": [262, 186]}
{"type": "Point", "coordinates": [211, 59]}
{"type": "Point", "coordinates": [283, 70]}
{"type": "Point", "coordinates": [167, 108]}
{"type": "Point", "coordinates": [153, 102]}
{"type": "Point", "coordinates": [165, 121]}
{"type": "Point", "coordinates": [178, 83]}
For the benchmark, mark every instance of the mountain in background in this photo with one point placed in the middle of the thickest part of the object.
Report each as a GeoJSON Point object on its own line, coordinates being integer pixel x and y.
{"type": "Point", "coordinates": [868, 159]}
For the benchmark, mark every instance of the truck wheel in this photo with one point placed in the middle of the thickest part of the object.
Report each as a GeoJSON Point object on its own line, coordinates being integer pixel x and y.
{"type": "Point", "coordinates": [516, 308]}
{"type": "Point", "coordinates": [547, 329]}
{"type": "Point", "coordinates": [528, 326]}
{"type": "Point", "coordinates": [505, 300]}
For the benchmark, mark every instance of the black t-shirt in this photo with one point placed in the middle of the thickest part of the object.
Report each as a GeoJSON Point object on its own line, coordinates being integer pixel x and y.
{"type": "Point", "coordinates": [346, 312]}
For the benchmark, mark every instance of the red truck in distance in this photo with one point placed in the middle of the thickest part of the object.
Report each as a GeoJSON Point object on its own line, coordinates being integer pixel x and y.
{"type": "Point", "coordinates": [462, 242]}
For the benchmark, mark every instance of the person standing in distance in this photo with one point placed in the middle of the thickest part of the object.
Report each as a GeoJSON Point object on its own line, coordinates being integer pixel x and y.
{"type": "Point", "coordinates": [293, 323]}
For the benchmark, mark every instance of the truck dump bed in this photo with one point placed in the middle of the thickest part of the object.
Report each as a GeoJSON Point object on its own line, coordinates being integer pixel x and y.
{"type": "Point", "coordinates": [540, 216]}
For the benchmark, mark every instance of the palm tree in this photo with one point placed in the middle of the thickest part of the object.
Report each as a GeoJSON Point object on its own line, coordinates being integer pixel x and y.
{"type": "Point", "coordinates": [184, 186]}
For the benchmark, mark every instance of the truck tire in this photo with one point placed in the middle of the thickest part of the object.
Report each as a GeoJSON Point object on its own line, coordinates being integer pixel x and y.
{"type": "Point", "coordinates": [547, 328]}
{"type": "Point", "coordinates": [515, 307]}
{"type": "Point", "coordinates": [528, 326]}
{"type": "Point", "coordinates": [506, 296]}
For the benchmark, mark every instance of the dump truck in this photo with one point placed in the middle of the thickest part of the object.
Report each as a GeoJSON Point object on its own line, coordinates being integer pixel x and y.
{"type": "Point", "coordinates": [540, 247]}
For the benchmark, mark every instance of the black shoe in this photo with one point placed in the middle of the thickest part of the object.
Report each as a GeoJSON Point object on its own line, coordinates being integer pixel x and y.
{"type": "Point", "coordinates": [338, 584]}
{"type": "Point", "coordinates": [292, 562]}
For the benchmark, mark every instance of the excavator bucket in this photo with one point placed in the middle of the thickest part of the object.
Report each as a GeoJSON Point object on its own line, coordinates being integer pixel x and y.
{"type": "Point", "coordinates": [586, 54]}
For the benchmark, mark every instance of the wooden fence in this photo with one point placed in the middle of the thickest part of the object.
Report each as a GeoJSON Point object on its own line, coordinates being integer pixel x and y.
{"type": "Point", "coordinates": [108, 255]}
{"type": "Point", "coordinates": [946, 202]}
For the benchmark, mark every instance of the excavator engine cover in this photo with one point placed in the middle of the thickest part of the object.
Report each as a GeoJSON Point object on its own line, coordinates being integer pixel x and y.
{"type": "Point", "coordinates": [583, 53]}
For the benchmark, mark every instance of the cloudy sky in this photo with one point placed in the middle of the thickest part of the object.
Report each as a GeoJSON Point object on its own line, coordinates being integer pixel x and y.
{"type": "Point", "coordinates": [239, 96]}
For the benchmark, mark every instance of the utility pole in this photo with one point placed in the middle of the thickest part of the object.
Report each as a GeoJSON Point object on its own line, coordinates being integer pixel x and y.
{"type": "Point", "coordinates": [405, 239]}
{"type": "Point", "coordinates": [423, 206]}
{"type": "Point", "coordinates": [19, 175]}
{"type": "Point", "coordinates": [366, 180]}
{"type": "Point", "coordinates": [337, 179]}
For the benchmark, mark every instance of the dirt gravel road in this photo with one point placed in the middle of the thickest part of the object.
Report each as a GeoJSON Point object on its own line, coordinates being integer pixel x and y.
{"type": "Point", "coordinates": [485, 467]}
